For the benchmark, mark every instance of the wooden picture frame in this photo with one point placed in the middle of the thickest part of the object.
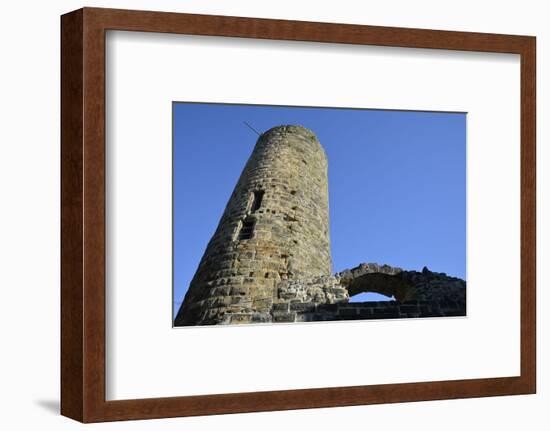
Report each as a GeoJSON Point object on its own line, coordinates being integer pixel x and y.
{"type": "Point", "coordinates": [83, 214]}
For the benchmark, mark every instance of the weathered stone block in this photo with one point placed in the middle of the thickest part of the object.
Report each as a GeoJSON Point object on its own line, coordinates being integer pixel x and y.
{"type": "Point", "coordinates": [348, 312]}
{"type": "Point", "coordinates": [241, 318]}
{"type": "Point", "coordinates": [261, 318]}
{"type": "Point", "coordinates": [262, 304]}
{"type": "Point", "coordinates": [284, 317]}
{"type": "Point", "coordinates": [281, 307]}
{"type": "Point", "coordinates": [365, 312]}
{"type": "Point", "coordinates": [239, 290]}
{"type": "Point", "coordinates": [302, 306]}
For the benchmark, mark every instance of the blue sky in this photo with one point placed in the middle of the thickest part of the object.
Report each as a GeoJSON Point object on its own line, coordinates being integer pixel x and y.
{"type": "Point", "coordinates": [397, 182]}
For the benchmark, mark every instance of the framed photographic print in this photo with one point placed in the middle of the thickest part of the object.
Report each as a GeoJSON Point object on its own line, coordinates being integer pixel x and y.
{"type": "Point", "coordinates": [249, 203]}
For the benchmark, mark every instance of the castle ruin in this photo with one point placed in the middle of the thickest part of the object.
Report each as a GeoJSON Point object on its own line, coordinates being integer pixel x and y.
{"type": "Point", "coordinates": [269, 259]}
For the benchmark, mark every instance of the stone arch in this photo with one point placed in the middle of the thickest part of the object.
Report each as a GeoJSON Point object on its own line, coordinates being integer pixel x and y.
{"type": "Point", "coordinates": [384, 284]}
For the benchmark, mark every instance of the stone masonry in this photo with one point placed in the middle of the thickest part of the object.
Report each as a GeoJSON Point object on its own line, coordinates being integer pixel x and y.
{"type": "Point", "coordinates": [275, 227]}
{"type": "Point", "coordinates": [269, 259]}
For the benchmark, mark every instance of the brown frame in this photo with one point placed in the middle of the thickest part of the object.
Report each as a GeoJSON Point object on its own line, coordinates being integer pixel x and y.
{"type": "Point", "coordinates": [83, 214]}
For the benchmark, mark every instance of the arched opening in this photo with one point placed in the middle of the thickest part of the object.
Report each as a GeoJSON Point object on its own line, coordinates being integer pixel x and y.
{"type": "Point", "coordinates": [380, 287]}
{"type": "Point", "coordinates": [370, 297]}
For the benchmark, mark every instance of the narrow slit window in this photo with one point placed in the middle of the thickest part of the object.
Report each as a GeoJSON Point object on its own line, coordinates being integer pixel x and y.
{"type": "Point", "coordinates": [247, 230]}
{"type": "Point", "coordinates": [257, 200]}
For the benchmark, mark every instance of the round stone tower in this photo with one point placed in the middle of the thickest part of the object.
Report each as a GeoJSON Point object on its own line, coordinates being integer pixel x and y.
{"type": "Point", "coordinates": [275, 227]}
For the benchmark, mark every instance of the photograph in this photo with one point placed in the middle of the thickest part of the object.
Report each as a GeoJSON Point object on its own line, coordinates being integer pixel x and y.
{"type": "Point", "coordinates": [288, 214]}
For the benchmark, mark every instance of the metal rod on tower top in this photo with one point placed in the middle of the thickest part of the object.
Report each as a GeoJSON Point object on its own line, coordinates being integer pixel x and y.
{"type": "Point", "coordinates": [252, 128]}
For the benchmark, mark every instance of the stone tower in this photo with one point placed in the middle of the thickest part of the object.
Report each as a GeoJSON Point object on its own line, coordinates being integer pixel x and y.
{"type": "Point", "coordinates": [274, 228]}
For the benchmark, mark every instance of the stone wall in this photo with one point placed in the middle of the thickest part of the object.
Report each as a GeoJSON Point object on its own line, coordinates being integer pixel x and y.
{"type": "Point", "coordinates": [403, 285]}
{"type": "Point", "coordinates": [326, 298]}
{"type": "Point", "coordinates": [383, 310]}
{"type": "Point", "coordinates": [420, 294]}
